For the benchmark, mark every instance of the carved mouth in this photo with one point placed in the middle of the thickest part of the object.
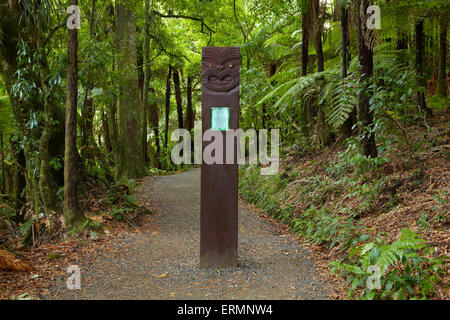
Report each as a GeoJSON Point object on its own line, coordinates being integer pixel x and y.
{"type": "Point", "coordinates": [221, 81]}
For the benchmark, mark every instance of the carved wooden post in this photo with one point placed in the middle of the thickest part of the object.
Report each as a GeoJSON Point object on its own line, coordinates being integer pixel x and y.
{"type": "Point", "coordinates": [219, 182]}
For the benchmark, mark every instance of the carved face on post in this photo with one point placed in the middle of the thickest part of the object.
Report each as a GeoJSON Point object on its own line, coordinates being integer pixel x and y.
{"type": "Point", "coordinates": [220, 69]}
{"type": "Point", "coordinates": [219, 182]}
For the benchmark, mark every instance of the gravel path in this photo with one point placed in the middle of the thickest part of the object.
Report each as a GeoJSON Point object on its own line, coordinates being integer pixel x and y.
{"type": "Point", "coordinates": [162, 263]}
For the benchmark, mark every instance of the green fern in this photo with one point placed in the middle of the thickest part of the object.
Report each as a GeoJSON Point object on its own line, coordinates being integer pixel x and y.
{"type": "Point", "coordinates": [404, 268]}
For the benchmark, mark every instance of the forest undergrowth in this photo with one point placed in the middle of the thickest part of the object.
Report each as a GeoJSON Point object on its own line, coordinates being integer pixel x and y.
{"type": "Point", "coordinates": [391, 211]}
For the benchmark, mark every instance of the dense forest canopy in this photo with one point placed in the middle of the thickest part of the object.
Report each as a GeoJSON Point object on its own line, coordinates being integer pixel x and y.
{"type": "Point", "coordinates": [96, 106]}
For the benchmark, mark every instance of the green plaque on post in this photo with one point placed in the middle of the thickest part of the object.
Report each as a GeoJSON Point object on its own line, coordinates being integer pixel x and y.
{"type": "Point", "coordinates": [220, 118]}
{"type": "Point", "coordinates": [219, 181]}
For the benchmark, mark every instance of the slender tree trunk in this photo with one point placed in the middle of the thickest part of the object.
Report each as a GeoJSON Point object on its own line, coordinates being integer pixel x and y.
{"type": "Point", "coordinates": [46, 183]}
{"type": "Point", "coordinates": [145, 85]}
{"type": "Point", "coordinates": [2, 159]}
{"type": "Point", "coordinates": [348, 124]}
{"type": "Point", "coordinates": [272, 70]}
{"type": "Point", "coordinates": [111, 108]}
{"type": "Point", "coordinates": [442, 73]}
{"type": "Point", "coordinates": [178, 98]}
{"type": "Point", "coordinates": [87, 119]}
{"type": "Point", "coordinates": [10, 181]}
{"type": "Point", "coordinates": [73, 216]}
{"type": "Point", "coordinates": [131, 164]}
{"type": "Point", "coordinates": [365, 57]}
{"type": "Point", "coordinates": [144, 120]}
{"type": "Point", "coordinates": [307, 112]}
{"type": "Point", "coordinates": [88, 124]}
{"type": "Point", "coordinates": [140, 69]}
{"type": "Point", "coordinates": [111, 117]}
{"type": "Point", "coordinates": [106, 134]}
{"type": "Point", "coordinates": [419, 67]}
{"type": "Point", "coordinates": [189, 109]}
{"type": "Point", "coordinates": [402, 41]}
{"type": "Point", "coordinates": [305, 42]}
{"type": "Point", "coordinates": [20, 183]}
{"type": "Point", "coordinates": [344, 41]}
{"type": "Point", "coordinates": [318, 35]}
{"type": "Point", "coordinates": [323, 129]}
{"type": "Point", "coordinates": [168, 89]}
{"type": "Point", "coordinates": [154, 123]}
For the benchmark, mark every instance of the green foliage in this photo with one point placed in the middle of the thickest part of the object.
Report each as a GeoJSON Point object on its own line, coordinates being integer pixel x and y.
{"type": "Point", "coordinates": [406, 270]}
{"type": "Point", "coordinates": [351, 161]}
{"type": "Point", "coordinates": [441, 197]}
{"type": "Point", "coordinates": [316, 225]}
{"type": "Point", "coordinates": [321, 227]}
{"type": "Point", "coordinates": [119, 213]}
{"type": "Point", "coordinates": [124, 206]}
{"type": "Point", "coordinates": [53, 256]}
{"type": "Point", "coordinates": [342, 100]}
{"type": "Point", "coordinates": [423, 221]}
{"type": "Point", "coordinates": [6, 212]}
{"type": "Point", "coordinates": [264, 191]}
{"type": "Point", "coordinates": [27, 232]}
{"type": "Point", "coordinates": [366, 192]}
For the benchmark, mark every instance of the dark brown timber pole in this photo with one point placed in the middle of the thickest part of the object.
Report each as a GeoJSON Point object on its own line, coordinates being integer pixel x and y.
{"type": "Point", "coordinates": [219, 182]}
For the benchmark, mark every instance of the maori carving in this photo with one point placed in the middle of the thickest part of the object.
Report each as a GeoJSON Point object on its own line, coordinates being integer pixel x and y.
{"type": "Point", "coordinates": [219, 182]}
{"type": "Point", "coordinates": [220, 69]}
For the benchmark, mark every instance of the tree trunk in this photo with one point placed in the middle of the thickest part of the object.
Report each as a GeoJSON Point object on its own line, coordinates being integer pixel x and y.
{"type": "Point", "coordinates": [317, 20]}
{"type": "Point", "coordinates": [323, 129]}
{"type": "Point", "coordinates": [419, 67]}
{"type": "Point", "coordinates": [145, 85]}
{"type": "Point", "coordinates": [344, 41]}
{"type": "Point", "coordinates": [402, 41]}
{"type": "Point", "coordinates": [305, 42]}
{"type": "Point", "coordinates": [365, 57]}
{"type": "Point", "coordinates": [442, 73]}
{"type": "Point", "coordinates": [272, 70]}
{"type": "Point", "coordinates": [111, 125]}
{"type": "Point", "coordinates": [140, 69]}
{"type": "Point", "coordinates": [178, 98]}
{"type": "Point", "coordinates": [166, 130]}
{"type": "Point", "coordinates": [73, 216]}
{"type": "Point", "coordinates": [131, 164]}
{"type": "Point", "coordinates": [48, 178]}
{"type": "Point", "coordinates": [88, 112]}
{"type": "Point", "coordinates": [20, 182]}
{"type": "Point", "coordinates": [106, 134]}
{"type": "Point", "coordinates": [348, 124]}
{"type": "Point", "coordinates": [111, 117]}
{"type": "Point", "coordinates": [307, 112]}
{"type": "Point", "coordinates": [154, 123]}
{"type": "Point", "coordinates": [189, 109]}
{"type": "Point", "coordinates": [89, 146]}
{"type": "Point", "coordinates": [2, 159]}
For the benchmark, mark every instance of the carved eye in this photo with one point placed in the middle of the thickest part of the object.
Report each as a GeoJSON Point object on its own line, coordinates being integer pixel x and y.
{"type": "Point", "coordinates": [230, 65]}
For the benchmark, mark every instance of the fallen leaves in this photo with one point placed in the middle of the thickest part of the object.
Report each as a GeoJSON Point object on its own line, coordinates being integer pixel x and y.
{"type": "Point", "coordinates": [9, 262]}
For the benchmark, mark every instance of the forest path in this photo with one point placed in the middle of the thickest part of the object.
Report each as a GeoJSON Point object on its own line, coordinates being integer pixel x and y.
{"type": "Point", "coordinates": [162, 263]}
